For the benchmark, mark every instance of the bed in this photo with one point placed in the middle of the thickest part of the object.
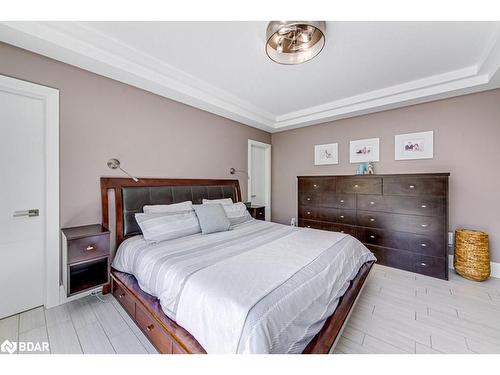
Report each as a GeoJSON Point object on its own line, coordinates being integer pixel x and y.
{"type": "Point", "coordinates": [261, 287]}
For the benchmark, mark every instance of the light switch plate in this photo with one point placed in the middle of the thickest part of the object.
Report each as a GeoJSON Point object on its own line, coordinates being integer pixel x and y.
{"type": "Point", "coordinates": [451, 238]}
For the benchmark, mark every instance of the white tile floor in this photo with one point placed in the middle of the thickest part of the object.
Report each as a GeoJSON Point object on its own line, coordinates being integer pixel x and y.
{"type": "Point", "coordinates": [398, 312]}
{"type": "Point", "coordinates": [402, 312]}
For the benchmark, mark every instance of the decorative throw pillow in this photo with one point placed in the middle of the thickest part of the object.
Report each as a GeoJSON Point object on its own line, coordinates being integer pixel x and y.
{"type": "Point", "coordinates": [212, 218]}
{"type": "Point", "coordinates": [168, 208]}
{"type": "Point", "coordinates": [162, 227]}
{"type": "Point", "coordinates": [224, 201]}
{"type": "Point", "coordinates": [237, 213]}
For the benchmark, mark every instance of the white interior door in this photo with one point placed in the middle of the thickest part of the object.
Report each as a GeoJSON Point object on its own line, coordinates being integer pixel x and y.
{"type": "Point", "coordinates": [23, 121]}
{"type": "Point", "coordinates": [259, 173]}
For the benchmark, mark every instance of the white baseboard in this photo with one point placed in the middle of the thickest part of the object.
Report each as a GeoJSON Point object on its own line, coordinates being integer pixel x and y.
{"type": "Point", "coordinates": [495, 267]}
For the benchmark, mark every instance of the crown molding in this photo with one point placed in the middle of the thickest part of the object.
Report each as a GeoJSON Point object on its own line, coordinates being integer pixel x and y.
{"type": "Point", "coordinates": [109, 57]}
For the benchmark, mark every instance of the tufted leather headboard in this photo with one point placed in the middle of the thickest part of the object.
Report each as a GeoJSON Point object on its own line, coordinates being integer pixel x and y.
{"type": "Point", "coordinates": [131, 196]}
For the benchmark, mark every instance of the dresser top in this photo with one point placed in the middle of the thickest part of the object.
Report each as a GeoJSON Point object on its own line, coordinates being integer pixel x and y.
{"type": "Point", "coordinates": [444, 174]}
{"type": "Point", "coordinates": [84, 231]}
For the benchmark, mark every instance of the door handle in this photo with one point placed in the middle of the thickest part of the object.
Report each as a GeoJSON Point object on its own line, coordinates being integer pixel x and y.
{"type": "Point", "coordinates": [30, 213]}
{"type": "Point", "coordinates": [254, 195]}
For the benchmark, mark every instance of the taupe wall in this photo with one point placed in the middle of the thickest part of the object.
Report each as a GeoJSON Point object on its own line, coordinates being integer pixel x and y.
{"type": "Point", "coordinates": [152, 136]}
{"type": "Point", "coordinates": [466, 144]}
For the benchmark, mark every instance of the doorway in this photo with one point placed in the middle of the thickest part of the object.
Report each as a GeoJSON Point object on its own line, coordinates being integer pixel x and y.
{"type": "Point", "coordinates": [259, 175]}
{"type": "Point", "coordinates": [29, 197]}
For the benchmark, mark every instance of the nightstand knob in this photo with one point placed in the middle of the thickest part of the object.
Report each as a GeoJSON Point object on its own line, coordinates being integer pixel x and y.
{"type": "Point", "coordinates": [341, 201]}
{"type": "Point", "coordinates": [121, 295]}
{"type": "Point", "coordinates": [341, 216]}
{"type": "Point", "coordinates": [372, 236]}
{"type": "Point", "coordinates": [150, 327]}
{"type": "Point", "coordinates": [90, 248]}
{"type": "Point", "coordinates": [372, 219]}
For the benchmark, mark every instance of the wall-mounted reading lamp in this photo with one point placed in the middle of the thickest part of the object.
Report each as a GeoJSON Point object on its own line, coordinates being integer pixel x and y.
{"type": "Point", "coordinates": [234, 171]}
{"type": "Point", "coordinates": [115, 164]}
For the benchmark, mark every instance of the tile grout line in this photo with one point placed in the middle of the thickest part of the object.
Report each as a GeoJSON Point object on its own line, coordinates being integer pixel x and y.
{"type": "Point", "coordinates": [74, 328]}
{"type": "Point", "coordinates": [129, 327]}
{"type": "Point", "coordinates": [100, 325]}
{"type": "Point", "coordinates": [46, 328]}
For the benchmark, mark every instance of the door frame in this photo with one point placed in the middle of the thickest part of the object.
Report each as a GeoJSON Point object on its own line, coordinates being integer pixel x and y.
{"type": "Point", "coordinates": [267, 148]}
{"type": "Point", "coordinates": [50, 98]}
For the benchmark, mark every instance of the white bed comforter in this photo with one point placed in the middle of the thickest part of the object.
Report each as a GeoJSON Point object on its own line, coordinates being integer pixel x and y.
{"type": "Point", "coordinates": [259, 288]}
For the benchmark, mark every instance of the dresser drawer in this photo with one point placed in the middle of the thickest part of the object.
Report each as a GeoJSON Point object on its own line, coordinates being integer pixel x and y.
{"type": "Point", "coordinates": [311, 184]}
{"type": "Point", "coordinates": [385, 238]}
{"type": "Point", "coordinates": [88, 248]}
{"type": "Point", "coordinates": [418, 244]}
{"type": "Point", "coordinates": [336, 215]}
{"type": "Point", "coordinates": [330, 199]}
{"type": "Point", "coordinates": [428, 245]}
{"type": "Point", "coordinates": [347, 229]}
{"type": "Point", "coordinates": [313, 224]}
{"type": "Point", "coordinates": [403, 223]}
{"type": "Point", "coordinates": [411, 205]}
{"type": "Point", "coordinates": [393, 258]}
{"type": "Point", "coordinates": [428, 186]}
{"type": "Point", "coordinates": [431, 266]}
{"type": "Point", "coordinates": [309, 197]}
{"type": "Point", "coordinates": [360, 185]}
{"type": "Point", "coordinates": [153, 330]}
{"type": "Point", "coordinates": [307, 212]}
{"type": "Point", "coordinates": [124, 298]}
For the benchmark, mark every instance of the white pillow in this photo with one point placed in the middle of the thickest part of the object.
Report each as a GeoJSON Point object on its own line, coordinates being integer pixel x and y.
{"type": "Point", "coordinates": [161, 227]}
{"type": "Point", "coordinates": [168, 208]}
{"type": "Point", "coordinates": [237, 213]}
{"type": "Point", "coordinates": [224, 201]}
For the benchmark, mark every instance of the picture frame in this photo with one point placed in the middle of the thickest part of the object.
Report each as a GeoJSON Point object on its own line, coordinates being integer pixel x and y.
{"type": "Point", "coordinates": [364, 150]}
{"type": "Point", "coordinates": [413, 146]}
{"type": "Point", "coordinates": [326, 154]}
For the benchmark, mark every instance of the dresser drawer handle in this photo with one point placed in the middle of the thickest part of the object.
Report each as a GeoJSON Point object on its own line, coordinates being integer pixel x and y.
{"type": "Point", "coordinates": [372, 202]}
{"type": "Point", "coordinates": [90, 248]}
{"type": "Point", "coordinates": [308, 198]}
{"type": "Point", "coordinates": [341, 216]}
{"type": "Point", "coordinates": [121, 295]}
{"type": "Point", "coordinates": [315, 186]}
{"type": "Point", "coordinates": [309, 226]}
{"type": "Point", "coordinates": [341, 201]}
{"type": "Point", "coordinates": [423, 245]}
{"type": "Point", "coordinates": [150, 327]}
{"type": "Point", "coordinates": [424, 225]}
{"type": "Point", "coordinates": [412, 186]}
{"type": "Point", "coordinates": [423, 264]}
{"type": "Point", "coordinates": [372, 219]}
{"type": "Point", "coordinates": [372, 236]}
{"type": "Point", "coordinates": [308, 212]}
{"type": "Point", "coordinates": [260, 213]}
{"type": "Point", "coordinates": [424, 206]}
{"type": "Point", "coordinates": [356, 186]}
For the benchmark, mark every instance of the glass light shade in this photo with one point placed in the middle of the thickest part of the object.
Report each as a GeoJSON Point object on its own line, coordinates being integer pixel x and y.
{"type": "Point", "coordinates": [294, 42]}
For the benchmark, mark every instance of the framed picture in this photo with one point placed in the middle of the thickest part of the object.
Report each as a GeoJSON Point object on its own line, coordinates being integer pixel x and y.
{"type": "Point", "coordinates": [364, 150]}
{"type": "Point", "coordinates": [414, 146]}
{"type": "Point", "coordinates": [326, 154]}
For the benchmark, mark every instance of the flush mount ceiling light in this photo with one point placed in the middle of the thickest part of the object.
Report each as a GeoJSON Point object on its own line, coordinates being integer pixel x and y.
{"type": "Point", "coordinates": [294, 42]}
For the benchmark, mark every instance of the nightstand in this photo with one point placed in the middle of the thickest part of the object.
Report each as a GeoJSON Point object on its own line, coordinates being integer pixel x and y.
{"type": "Point", "coordinates": [257, 212]}
{"type": "Point", "coordinates": [85, 254]}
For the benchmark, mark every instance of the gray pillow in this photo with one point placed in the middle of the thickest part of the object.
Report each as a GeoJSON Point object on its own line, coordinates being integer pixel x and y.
{"type": "Point", "coordinates": [212, 218]}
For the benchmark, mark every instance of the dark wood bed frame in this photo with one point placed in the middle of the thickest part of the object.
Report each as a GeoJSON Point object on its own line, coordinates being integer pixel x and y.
{"type": "Point", "coordinates": [167, 336]}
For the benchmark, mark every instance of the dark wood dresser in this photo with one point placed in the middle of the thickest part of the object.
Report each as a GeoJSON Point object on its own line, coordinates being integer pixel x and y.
{"type": "Point", "coordinates": [402, 219]}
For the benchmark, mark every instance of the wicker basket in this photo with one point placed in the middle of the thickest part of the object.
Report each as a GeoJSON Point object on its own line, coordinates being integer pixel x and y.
{"type": "Point", "coordinates": [472, 256]}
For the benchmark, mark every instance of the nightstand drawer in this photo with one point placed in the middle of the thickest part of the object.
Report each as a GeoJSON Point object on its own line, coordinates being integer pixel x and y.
{"type": "Point", "coordinates": [88, 248]}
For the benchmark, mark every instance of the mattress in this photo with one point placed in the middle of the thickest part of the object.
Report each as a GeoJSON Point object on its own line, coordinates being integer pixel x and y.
{"type": "Point", "coordinates": [259, 288]}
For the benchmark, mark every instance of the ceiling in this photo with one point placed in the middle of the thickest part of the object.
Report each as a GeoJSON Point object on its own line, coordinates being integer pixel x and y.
{"type": "Point", "coordinates": [222, 67]}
